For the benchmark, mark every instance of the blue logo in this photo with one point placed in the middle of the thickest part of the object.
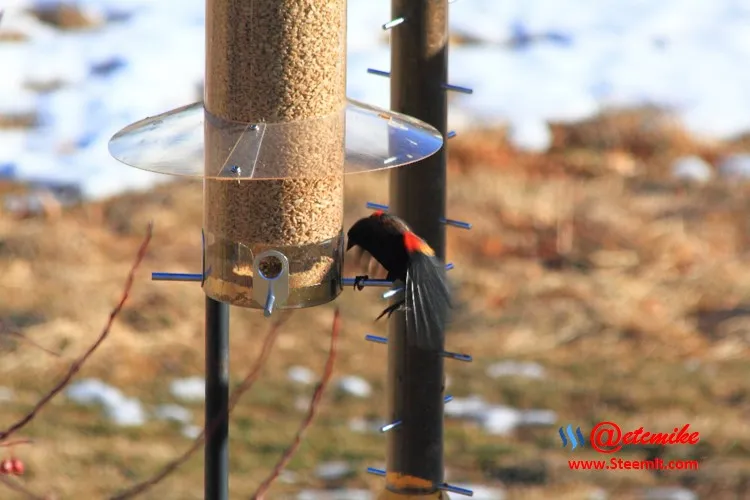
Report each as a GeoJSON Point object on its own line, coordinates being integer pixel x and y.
{"type": "Point", "coordinates": [573, 441]}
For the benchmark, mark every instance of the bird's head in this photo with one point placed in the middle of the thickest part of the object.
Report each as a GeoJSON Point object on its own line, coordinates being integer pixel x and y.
{"type": "Point", "coordinates": [365, 231]}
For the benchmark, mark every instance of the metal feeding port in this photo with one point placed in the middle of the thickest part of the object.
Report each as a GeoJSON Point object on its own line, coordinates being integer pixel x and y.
{"type": "Point", "coordinates": [272, 287]}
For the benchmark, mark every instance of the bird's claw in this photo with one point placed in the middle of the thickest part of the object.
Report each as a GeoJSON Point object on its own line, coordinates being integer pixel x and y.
{"type": "Point", "coordinates": [358, 282]}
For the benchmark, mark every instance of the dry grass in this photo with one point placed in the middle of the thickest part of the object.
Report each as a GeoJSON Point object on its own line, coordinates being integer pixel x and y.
{"type": "Point", "coordinates": [632, 290]}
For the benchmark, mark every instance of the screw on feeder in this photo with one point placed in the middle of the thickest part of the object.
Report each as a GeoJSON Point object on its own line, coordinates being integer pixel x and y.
{"type": "Point", "coordinates": [394, 23]}
{"type": "Point", "coordinates": [451, 134]}
{"type": "Point", "coordinates": [444, 486]}
{"type": "Point", "coordinates": [447, 399]}
{"type": "Point", "coordinates": [452, 355]}
{"type": "Point", "coordinates": [270, 300]}
{"type": "Point", "coordinates": [451, 222]}
{"type": "Point", "coordinates": [236, 170]}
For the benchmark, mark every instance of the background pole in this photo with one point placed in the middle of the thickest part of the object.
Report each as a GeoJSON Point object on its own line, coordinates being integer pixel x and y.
{"type": "Point", "coordinates": [419, 68]}
{"type": "Point", "coordinates": [216, 453]}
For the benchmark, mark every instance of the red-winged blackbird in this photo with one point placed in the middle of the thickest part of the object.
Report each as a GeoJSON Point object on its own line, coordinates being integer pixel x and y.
{"type": "Point", "coordinates": [408, 258]}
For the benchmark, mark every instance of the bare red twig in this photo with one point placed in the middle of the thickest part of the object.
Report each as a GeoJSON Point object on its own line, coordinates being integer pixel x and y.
{"type": "Point", "coordinates": [317, 395]}
{"type": "Point", "coordinates": [78, 363]}
{"type": "Point", "coordinates": [234, 398]}
{"type": "Point", "coordinates": [6, 329]}
{"type": "Point", "coordinates": [11, 444]}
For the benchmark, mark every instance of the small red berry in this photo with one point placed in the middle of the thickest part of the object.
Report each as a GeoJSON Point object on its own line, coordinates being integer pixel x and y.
{"type": "Point", "coordinates": [6, 466]}
{"type": "Point", "coordinates": [17, 466]}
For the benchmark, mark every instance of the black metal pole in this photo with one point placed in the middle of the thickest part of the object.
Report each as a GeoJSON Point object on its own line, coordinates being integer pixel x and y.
{"type": "Point", "coordinates": [216, 468]}
{"type": "Point", "coordinates": [419, 68]}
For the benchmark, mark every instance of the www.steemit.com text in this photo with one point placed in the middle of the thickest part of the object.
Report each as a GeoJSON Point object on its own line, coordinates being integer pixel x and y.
{"type": "Point", "coordinates": [620, 464]}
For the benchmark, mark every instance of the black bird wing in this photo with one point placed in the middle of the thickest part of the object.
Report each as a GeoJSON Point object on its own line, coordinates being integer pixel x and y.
{"type": "Point", "coordinates": [428, 301]}
{"type": "Point", "coordinates": [380, 235]}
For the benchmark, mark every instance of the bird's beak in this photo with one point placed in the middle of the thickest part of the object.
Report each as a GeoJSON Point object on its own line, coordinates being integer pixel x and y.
{"type": "Point", "coordinates": [349, 245]}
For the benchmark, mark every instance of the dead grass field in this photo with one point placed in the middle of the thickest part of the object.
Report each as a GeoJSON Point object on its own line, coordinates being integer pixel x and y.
{"type": "Point", "coordinates": [632, 290]}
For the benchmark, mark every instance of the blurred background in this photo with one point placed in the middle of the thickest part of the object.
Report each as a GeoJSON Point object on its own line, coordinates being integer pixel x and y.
{"type": "Point", "coordinates": [602, 159]}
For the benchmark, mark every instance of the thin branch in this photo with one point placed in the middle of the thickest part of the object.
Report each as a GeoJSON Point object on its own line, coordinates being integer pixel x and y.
{"type": "Point", "coordinates": [77, 364]}
{"type": "Point", "coordinates": [11, 444]}
{"type": "Point", "coordinates": [234, 398]}
{"type": "Point", "coordinates": [317, 395]}
{"type": "Point", "coordinates": [4, 328]}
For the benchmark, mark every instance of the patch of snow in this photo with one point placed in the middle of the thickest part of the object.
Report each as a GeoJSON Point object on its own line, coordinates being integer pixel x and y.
{"type": "Point", "coordinates": [530, 135]}
{"type": "Point", "coordinates": [191, 431]}
{"type": "Point", "coordinates": [497, 419]}
{"type": "Point", "coordinates": [189, 389]}
{"type": "Point", "coordinates": [175, 413]}
{"type": "Point", "coordinates": [501, 420]}
{"type": "Point", "coordinates": [333, 471]}
{"type": "Point", "coordinates": [6, 395]}
{"type": "Point", "coordinates": [341, 494]}
{"type": "Point", "coordinates": [597, 494]}
{"type": "Point", "coordinates": [514, 368]}
{"type": "Point", "coordinates": [363, 426]}
{"type": "Point", "coordinates": [94, 391]}
{"type": "Point", "coordinates": [669, 493]}
{"type": "Point", "coordinates": [128, 412]}
{"type": "Point", "coordinates": [288, 477]}
{"type": "Point", "coordinates": [539, 417]}
{"type": "Point", "coordinates": [301, 375]}
{"type": "Point", "coordinates": [302, 403]}
{"type": "Point", "coordinates": [735, 166]}
{"type": "Point", "coordinates": [355, 386]}
{"type": "Point", "coordinates": [483, 492]}
{"type": "Point", "coordinates": [120, 409]}
{"type": "Point", "coordinates": [692, 169]}
{"type": "Point", "coordinates": [465, 407]}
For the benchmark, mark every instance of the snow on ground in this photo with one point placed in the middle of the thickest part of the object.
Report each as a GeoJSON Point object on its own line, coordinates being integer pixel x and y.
{"type": "Point", "coordinates": [534, 60]}
{"type": "Point", "coordinates": [119, 408]}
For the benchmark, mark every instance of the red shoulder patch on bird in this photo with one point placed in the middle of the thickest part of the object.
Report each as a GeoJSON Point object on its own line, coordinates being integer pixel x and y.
{"type": "Point", "coordinates": [414, 244]}
{"type": "Point", "coordinates": [377, 213]}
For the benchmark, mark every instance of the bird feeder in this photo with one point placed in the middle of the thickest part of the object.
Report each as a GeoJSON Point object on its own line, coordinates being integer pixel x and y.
{"type": "Point", "coordinates": [273, 141]}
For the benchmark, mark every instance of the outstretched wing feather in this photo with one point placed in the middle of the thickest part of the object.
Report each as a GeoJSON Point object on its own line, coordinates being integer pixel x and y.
{"type": "Point", "coordinates": [428, 301]}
